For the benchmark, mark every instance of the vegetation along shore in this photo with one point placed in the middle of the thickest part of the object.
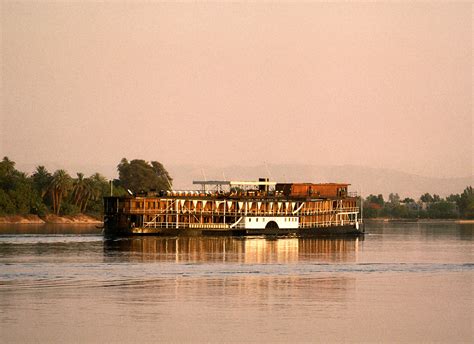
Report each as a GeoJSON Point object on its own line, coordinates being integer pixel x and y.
{"type": "Point", "coordinates": [80, 219]}
{"type": "Point", "coordinates": [45, 197]}
{"type": "Point", "coordinates": [56, 197]}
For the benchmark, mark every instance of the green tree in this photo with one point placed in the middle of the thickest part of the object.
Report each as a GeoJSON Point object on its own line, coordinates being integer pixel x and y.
{"type": "Point", "coordinates": [370, 212]}
{"type": "Point", "coordinates": [442, 210]}
{"type": "Point", "coordinates": [139, 175]}
{"type": "Point", "coordinates": [7, 167]}
{"type": "Point", "coordinates": [6, 204]}
{"type": "Point", "coordinates": [427, 198]}
{"type": "Point", "coordinates": [118, 189]}
{"type": "Point", "coordinates": [88, 192]}
{"type": "Point", "coordinates": [17, 195]}
{"type": "Point", "coordinates": [60, 185]}
{"type": "Point", "coordinates": [376, 199]}
{"type": "Point", "coordinates": [41, 180]}
{"type": "Point", "coordinates": [78, 189]}
{"type": "Point", "coordinates": [98, 188]}
{"type": "Point", "coordinates": [466, 203]}
{"type": "Point", "coordinates": [454, 198]}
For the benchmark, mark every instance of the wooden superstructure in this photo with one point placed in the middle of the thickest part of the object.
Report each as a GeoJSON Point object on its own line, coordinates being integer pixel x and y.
{"type": "Point", "coordinates": [239, 208]}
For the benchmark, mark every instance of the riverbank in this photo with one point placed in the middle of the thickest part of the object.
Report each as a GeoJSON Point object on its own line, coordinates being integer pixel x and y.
{"type": "Point", "coordinates": [383, 219]}
{"type": "Point", "coordinates": [50, 218]}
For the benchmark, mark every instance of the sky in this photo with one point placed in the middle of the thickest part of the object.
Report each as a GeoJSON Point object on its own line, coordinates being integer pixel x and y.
{"type": "Point", "coordinates": [384, 85]}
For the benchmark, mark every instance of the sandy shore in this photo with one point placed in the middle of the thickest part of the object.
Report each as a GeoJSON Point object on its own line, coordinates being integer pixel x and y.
{"type": "Point", "coordinates": [35, 219]}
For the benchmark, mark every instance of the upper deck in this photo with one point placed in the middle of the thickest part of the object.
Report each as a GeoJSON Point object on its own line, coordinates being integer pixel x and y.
{"type": "Point", "coordinates": [257, 190]}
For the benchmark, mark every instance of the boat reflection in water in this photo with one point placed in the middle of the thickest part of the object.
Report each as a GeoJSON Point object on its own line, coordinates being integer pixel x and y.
{"type": "Point", "coordinates": [290, 278]}
{"type": "Point", "coordinates": [233, 249]}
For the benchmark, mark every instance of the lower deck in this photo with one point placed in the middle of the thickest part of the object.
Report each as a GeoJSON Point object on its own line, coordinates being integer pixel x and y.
{"type": "Point", "coordinates": [351, 229]}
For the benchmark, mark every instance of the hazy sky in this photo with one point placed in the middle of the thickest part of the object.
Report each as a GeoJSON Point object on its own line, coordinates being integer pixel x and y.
{"type": "Point", "coordinates": [380, 85]}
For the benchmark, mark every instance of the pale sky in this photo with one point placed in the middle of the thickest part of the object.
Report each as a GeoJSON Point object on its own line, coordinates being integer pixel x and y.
{"type": "Point", "coordinates": [371, 84]}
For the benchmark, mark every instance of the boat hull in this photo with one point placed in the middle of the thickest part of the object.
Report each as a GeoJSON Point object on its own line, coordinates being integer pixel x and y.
{"type": "Point", "coordinates": [350, 230]}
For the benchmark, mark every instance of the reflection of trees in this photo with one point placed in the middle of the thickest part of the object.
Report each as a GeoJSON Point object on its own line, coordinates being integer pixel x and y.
{"type": "Point", "coordinates": [229, 249]}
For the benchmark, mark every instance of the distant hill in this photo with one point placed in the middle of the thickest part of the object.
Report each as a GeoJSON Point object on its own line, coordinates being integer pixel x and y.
{"type": "Point", "coordinates": [369, 180]}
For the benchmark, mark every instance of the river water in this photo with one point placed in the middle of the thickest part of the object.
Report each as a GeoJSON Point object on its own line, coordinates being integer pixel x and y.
{"type": "Point", "coordinates": [400, 283]}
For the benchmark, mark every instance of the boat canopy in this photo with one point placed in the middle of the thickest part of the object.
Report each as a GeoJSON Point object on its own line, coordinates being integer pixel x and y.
{"type": "Point", "coordinates": [233, 183]}
{"type": "Point", "coordinates": [211, 182]}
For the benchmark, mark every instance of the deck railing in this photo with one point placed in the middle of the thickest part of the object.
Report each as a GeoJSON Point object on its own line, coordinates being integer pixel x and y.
{"type": "Point", "coordinates": [308, 212]}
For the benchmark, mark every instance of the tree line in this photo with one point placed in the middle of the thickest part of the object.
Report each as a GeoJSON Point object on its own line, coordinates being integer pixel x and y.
{"type": "Point", "coordinates": [427, 206]}
{"type": "Point", "coordinates": [45, 192]}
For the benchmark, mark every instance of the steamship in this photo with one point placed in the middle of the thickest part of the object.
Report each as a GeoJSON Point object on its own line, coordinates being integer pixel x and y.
{"type": "Point", "coordinates": [237, 208]}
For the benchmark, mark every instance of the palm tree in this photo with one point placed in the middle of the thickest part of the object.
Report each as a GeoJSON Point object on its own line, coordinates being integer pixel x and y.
{"type": "Point", "coordinates": [78, 190]}
{"type": "Point", "coordinates": [7, 167]}
{"type": "Point", "coordinates": [60, 185]}
{"type": "Point", "coordinates": [41, 180]}
{"type": "Point", "coordinates": [95, 185]}
{"type": "Point", "coordinates": [86, 194]}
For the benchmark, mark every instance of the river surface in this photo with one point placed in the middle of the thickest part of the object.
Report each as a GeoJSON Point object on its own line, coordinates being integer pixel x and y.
{"type": "Point", "coordinates": [401, 283]}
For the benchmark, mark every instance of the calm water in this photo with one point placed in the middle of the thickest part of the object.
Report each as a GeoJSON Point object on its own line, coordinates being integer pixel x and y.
{"type": "Point", "coordinates": [402, 282]}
